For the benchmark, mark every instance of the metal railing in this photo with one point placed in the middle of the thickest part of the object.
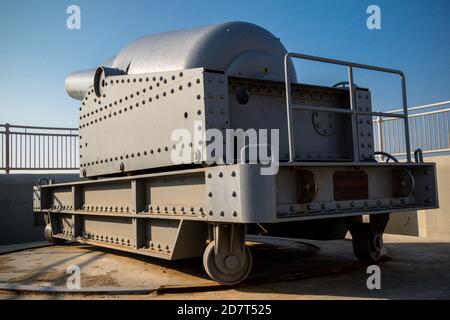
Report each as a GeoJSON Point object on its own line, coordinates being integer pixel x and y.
{"type": "Point", "coordinates": [38, 148]}
{"type": "Point", "coordinates": [352, 111]}
{"type": "Point", "coordinates": [429, 130]}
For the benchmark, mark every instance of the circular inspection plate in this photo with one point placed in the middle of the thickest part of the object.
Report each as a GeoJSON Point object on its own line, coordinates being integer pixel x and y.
{"type": "Point", "coordinates": [324, 122]}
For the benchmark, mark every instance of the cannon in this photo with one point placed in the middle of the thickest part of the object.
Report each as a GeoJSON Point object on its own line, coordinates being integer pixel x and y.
{"type": "Point", "coordinates": [190, 140]}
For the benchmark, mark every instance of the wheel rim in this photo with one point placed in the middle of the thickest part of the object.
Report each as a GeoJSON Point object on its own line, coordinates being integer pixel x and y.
{"type": "Point", "coordinates": [227, 277]}
{"type": "Point", "coordinates": [48, 234]}
{"type": "Point", "coordinates": [366, 245]}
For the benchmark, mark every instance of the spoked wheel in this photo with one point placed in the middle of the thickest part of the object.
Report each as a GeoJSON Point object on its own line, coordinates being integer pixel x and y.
{"type": "Point", "coordinates": [226, 258]}
{"type": "Point", "coordinates": [48, 233]}
{"type": "Point", "coordinates": [367, 238]}
{"type": "Point", "coordinates": [229, 271]}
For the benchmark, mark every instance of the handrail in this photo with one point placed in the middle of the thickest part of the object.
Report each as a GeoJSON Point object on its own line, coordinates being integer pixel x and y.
{"type": "Point", "coordinates": [353, 111]}
{"type": "Point", "coordinates": [410, 116]}
{"type": "Point", "coordinates": [38, 148]}
{"type": "Point", "coordinates": [430, 131]}
{"type": "Point", "coordinates": [431, 105]}
{"type": "Point", "coordinates": [37, 128]}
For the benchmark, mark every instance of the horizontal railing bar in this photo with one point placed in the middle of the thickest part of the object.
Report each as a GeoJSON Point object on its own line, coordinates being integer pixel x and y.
{"type": "Point", "coordinates": [327, 109]}
{"type": "Point", "coordinates": [423, 106]}
{"type": "Point", "coordinates": [347, 111]}
{"type": "Point", "coordinates": [39, 128]}
{"type": "Point", "coordinates": [428, 113]}
{"type": "Point", "coordinates": [415, 115]}
{"type": "Point", "coordinates": [424, 151]}
{"type": "Point", "coordinates": [382, 114]}
{"type": "Point", "coordinates": [345, 63]}
{"type": "Point", "coordinates": [42, 134]}
{"type": "Point", "coordinates": [33, 168]}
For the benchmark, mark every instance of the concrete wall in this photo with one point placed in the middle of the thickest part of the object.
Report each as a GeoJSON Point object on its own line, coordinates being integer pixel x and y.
{"type": "Point", "coordinates": [428, 223]}
{"type": "Point", "coordinates": [18, 223]}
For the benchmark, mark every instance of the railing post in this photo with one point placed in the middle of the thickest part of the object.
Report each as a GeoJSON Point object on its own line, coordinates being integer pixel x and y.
{"type": "Point", "coordinates": [7, 153]}
{"type": "Point", "coordinates": [351, 89]}
{"type": "Point", "coordinates": [380, 135]}
{"type": "Point", "coordinates": [406, 119]}
{"type": "Point", "coordinates": [290, 128]}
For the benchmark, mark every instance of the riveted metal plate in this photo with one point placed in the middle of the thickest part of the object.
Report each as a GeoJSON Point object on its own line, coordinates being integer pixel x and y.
{"type": "Point", "coordinates": [364, 125]}
{"type": "Point", "coordinates": [130, 126]}
{"type": "Point", "coordinates": [239, 193]}
{"type": "Point", "coordinates": [223, 193]}
{"type": "Point", "coordinates": [266, 109]}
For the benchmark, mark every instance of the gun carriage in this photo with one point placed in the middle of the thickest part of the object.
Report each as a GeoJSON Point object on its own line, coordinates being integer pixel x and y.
{"type": "Point", "coordinates": [132, 196]}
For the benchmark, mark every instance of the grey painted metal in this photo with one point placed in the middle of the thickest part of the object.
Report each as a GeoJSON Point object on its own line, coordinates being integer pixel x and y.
{"type": "Point", "coordinates": [232, 194]}
{"type": "Point", "coordinates": [287, 77]}
{"type": "Point", "coordinates": [155, 214]}
{"type": "Point", "coordinates": [350, 66]}
{"type": "Point", "coordinates": [236, 48]}
{"type": "Point", "coordinates": [78, 83]}
{"type": "Point", "coordinates": [114, 127]}
{"type": "Point", "coordinates": [38, 148]}
{"type": "Point", "coordinates": [230, 76]}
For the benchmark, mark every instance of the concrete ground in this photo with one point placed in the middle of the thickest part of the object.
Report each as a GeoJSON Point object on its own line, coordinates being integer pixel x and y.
{"type": "Point", "coordinates": [416, 268]}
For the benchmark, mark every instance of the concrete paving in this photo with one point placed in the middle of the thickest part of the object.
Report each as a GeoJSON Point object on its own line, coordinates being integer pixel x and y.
{"type": "Point", "coordinates": [10, 248]}
{"type": "Point", "coordinates": [416, 268]}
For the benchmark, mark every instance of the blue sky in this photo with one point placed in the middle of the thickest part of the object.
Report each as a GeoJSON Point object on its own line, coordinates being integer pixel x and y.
{"type": "Point", "coordinates": [38, 51]}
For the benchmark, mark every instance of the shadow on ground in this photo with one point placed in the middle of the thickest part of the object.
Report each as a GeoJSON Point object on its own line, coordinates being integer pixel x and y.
{"type": "Point", "coordinates": [282, 269]}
